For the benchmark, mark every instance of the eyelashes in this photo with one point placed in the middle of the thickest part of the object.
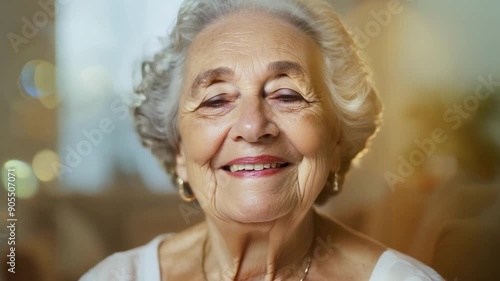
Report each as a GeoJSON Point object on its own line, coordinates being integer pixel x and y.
{"type": "Point", "coordinates": [215, 102]}
{"type": "Point", "coordinates": [285, 95]}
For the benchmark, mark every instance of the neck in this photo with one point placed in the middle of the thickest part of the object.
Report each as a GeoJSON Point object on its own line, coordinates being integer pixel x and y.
{"type": "Point", "coordinates": [274, 250]}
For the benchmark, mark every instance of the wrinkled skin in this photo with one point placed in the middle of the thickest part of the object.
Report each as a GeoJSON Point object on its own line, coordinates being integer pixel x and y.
{"type": "Point", "coordinates": [258, 112]}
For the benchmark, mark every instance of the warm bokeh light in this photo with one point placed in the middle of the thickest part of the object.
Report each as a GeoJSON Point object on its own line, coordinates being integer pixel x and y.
{"type": "Point", "coordinates": [38, 80]}
{"type": "Point", "coordinates": [24, 180]}
{"type": "Point", "coordinates": [43, 164]}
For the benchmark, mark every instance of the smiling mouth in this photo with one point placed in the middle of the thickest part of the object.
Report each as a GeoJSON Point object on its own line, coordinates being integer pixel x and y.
{"type": "Point", "coordinates": [254, 167]}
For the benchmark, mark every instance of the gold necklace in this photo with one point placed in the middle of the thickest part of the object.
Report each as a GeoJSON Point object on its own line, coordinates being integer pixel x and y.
{"type": "Point", "coordinates": [309, 260]}
{"type": "Point", "coordinates": [307, 268]}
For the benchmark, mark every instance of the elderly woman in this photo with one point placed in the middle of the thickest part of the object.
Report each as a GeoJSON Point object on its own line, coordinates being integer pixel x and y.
{"type": "Point", "coordinates": [257, 109]}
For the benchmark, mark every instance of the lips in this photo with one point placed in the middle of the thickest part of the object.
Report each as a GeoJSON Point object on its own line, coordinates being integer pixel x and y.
{"type": "Point", "coordinates": [255, 166]}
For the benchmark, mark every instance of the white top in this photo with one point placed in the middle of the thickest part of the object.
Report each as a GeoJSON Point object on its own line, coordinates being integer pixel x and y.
{"type": "Point", "coordinates": [142, 264]}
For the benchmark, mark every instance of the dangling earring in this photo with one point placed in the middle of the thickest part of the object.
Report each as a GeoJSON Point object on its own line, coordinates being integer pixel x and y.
{"type": "Point", "coordinates": [185, 191]}
{"type": "Point", "coordinates": [335, 184]}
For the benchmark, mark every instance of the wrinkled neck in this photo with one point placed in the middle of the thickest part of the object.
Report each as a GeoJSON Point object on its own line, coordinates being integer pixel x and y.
{"type": "Point", "coordinates": [277, 250]}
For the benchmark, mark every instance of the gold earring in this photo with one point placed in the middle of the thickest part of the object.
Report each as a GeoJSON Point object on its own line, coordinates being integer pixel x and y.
{"type": "Point", "coordinates": [335, 183]}
{"type": "Point", "coordinates": [184, 193]}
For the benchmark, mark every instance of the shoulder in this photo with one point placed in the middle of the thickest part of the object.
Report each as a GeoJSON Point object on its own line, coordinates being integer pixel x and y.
{"type": "Point", "coordinates": [352, 244]}
{"type": "Point", "coordinates": [185, 246]}
{"type": "Point", "coordinates": [343, 253]}
{"type": "Point", "coordinates": [128, 265]}
{"type": "Point", "coordinates": [119, 266]}
{"type": "Point", "coordinates": [393, 265]}
{"type": "Point", "coordinates": [354, 256]}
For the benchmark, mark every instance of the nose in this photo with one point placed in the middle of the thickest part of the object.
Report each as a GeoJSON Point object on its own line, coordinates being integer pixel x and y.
{"type": "Point", "coordinates": [252, 122]}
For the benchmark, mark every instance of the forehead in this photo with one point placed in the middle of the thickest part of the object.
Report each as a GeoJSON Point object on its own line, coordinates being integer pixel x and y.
{"type": "Point", "coordinates": [246, 41]}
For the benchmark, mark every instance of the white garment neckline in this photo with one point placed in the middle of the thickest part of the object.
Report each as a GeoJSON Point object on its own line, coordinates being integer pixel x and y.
{"type": "Point", "coordinates": [391, 265]}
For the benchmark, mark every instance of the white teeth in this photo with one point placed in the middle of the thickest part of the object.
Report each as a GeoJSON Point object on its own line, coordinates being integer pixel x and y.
{"type": "Point", "coordinates": [251, 167]}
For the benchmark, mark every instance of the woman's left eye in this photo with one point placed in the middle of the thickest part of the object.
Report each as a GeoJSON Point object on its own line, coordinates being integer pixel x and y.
{"type": "Point", "coordinates": [288, 96]}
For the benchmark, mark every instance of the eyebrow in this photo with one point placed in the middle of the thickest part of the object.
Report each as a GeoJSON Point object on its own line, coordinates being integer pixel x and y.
{"type": "Point", "coordinates": [286, 67]}
{"type": "Point", "coordinates": [208, 77]}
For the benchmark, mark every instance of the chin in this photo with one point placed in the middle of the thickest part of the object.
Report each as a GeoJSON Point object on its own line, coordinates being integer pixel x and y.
{"type": "Point", "coordinates": [258, 208]}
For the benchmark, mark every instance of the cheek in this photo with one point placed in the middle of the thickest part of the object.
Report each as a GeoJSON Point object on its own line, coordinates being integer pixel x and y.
{"type": "Point", "coordinates": [201, 139]}
{"type": "Point", "coordinates": [310, 133]}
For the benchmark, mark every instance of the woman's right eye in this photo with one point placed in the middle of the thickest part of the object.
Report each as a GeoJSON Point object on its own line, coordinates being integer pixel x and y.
{"type": "Point", "coordinates": [215, 102]}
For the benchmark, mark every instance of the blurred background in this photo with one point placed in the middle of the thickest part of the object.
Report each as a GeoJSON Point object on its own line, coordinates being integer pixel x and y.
{"type": "Point", "coordinates": [429, 187]}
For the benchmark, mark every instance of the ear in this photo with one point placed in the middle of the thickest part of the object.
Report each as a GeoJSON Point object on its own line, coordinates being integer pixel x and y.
{"type": "Point", "coordinates": [180, 163]}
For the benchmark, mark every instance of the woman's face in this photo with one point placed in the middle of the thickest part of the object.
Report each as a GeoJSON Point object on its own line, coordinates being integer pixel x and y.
{"type": "Point", "coordinates": [258, 133]}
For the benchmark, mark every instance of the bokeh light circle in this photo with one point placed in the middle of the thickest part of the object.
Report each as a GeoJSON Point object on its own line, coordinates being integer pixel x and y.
{"type": "Point", "coordinates": [25, 181]}
{"type": "Point", "coordinates": [43, 165]}
{"type": "Point", "coordinates": [38, 80]}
